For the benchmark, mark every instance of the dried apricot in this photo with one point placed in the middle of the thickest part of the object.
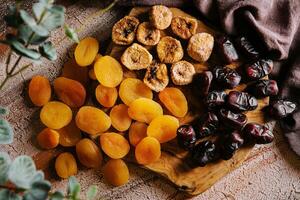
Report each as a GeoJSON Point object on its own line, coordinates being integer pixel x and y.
{"type": "Point", "coordinates": [106, 96]}
{"type": "Point", "coordinates": [119, 117]}
{"type": "Point", "coordinates": [108, 71]}
{"type": "Point", "coordinates": [92, 120]}
{"type": "Point", "coordinates": [163, 128]}
{"type": "Point", "coordinates": [88, 153]}
{"type": "Point", "coordinates": [69, 135]}
{"type": "Point", "coordinates": [147, 151]}
{"type": "Point", "coordinates": [69, 91]}
{"type": "Point", "coordinates": [39, 90]}
{"type": "Point", "coordinates": [132, 89]}
{"type": "Point", "coordinates": [73, 71]}
{"type": "Point", "coordinates": [174, 100]}
{"type": "Point", "coordinates": [56, 115]}
{"type": "Point", "coordinates": [116, 172]}
{"type": "Point", "coordinates": [114, 145]}
{"type": "Point", "coordinates": [144, 110]}
{"type": "Point", "coordinates": [48, 138]}
{"type": "Point", "coordinates": [137, 131]}
{"type": "Point", "coordinates": [65, 165]}
{"type": "Point", "coordinates": [86, 51]}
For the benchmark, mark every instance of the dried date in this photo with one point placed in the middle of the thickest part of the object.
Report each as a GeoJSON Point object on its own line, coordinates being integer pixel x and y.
{"type": "Point", "coordinates": [226, 49]}
{"type": "Point", "coordinates": [215, 99]}
{"type": "Point", "coordinates": [204, 153]}
{"type": "Point", "coordinates": [258, 69]}
{"type": "Point", "coordinates": [201, 83]}
{"type": "Point", "coordinates": [226, 77]}
{"type": "Point", "coordinates": [241, 101]}
{"type": "Point", "coordinates": [206, 125]}
{"type": "Point", "coordinates": [263, 88]}
{"type": "Point", "coordinates": [257, 133]}
{"type": "Point", "coordinates": [247, 48]}
{"type": "Point", "coordinates": [279, 109]}
{"type": "Point", "coordinates": [232, 120]}
{"type": "Point", "coordinates": [186, 137]}
{"type": "Point", "coordinates": [230, 144]}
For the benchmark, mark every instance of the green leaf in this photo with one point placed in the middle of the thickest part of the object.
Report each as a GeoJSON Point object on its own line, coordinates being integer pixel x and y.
{"type": "Point", "coordinates": [30, 22]}
{"type": "Point", "coordinates": [8, 195]}
{"type": "Point", "coordinates": [6, 132]}
{"type": "Point", "coordinates": [27, 19]}
{"type": "Point", "coordinates": [39, 191]}
{"type": "Point", "coordinates": [22, 171]}
{"type": "Point", "coordinates": [4, 166]}
{"type": "Point", "coordinates": [73, 187]}
{"type": "Point", "coordinates": [48, 51]}
{"type": "Point", "coordinates": [3, 111]}
{"type": "Point", "coordinates": [13, 19]}
{"type": "Point", "coordinates": [25, 32]}
{"type": "Point", "coordinates": [38, 176]}
{"type": "Point", "coordinates": [38, 9]}
{"type": "Point", "coordinates": [54, 18]}
{"type": "Point", "coordinates": [91, 193]}
{"type": "Point", "coordinates": [58, 195]}
{"type": "Point", "coordinates": [71, 33]}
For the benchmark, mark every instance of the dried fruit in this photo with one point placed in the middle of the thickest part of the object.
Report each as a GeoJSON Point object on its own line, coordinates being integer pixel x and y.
{"type": "Point", "coordinates": [108, 71]}
{"type": "Point", "coordinates": [174, 100]}
{"type": "Point", "coordinates": [65, 165]}
{"type": "Point", "coordinates": [92, 74]}
{"type": "Point", "coordinates": [123, 32]}
{"type": "Point", "coordinates": [39, 90]}
{"type": "Point", "coordinates": [200, 46]}
{"type": "Point", "coordinates": [147, 34]}
{"type": "Point", "coordinates": [201, 83]}
{"type": "Point", "coordinates": [186, 137]}
{"type": "Point", "coordinates": [144, 110]}
{"type": "Point", "coordinates": [147, 151]}
{"type": "Point", "coordinates": [56, 115]}
{"type": "Point", "coordinates": [259, 69]}
{"type": "Point", "coordinates": [69, 91]}
{"type": "Point", "coordinates": [132, 89]}
{"type": "Point", "coordinates": [92, 120]}
{"type": "Point", "coordinates": [69, 135]}
{"type": "Point", "coordinates": [241, 101]}
{"type": "Point", "coordinates": [257, 133]}
{"type": "Point", "coordinates": [204, 153]}
{"type": "Point", "coordinates": [48, 138]}
{"type": "Point", "coordinates": [225, 49]}
{"type": "Point", "coordinates": [163, 128]}
{"type": "Point", "coordinates": [136, 57]}
{"type": "Point", "coordinates": [106, 96]}
{"type": "Point", "coordinates": [160, 17]}
{"type": "Point", "coordinates": [169, 50]}
{"type": "Point", "coordinates": [114, 145]}
{"type": "Point", "coordinates": [137, 132]}
{"type": "Point", "coordinates": [215, 99]}
{"type": "Point", "coordinates": [247, 48]}
{"type": "Point", "coordinates": [156, 77]}
{"type": "Point", "coordinates": [119, 117]}
{"type": "Point", "coordinates": [86, 51]}
{"type": "Point", "coordinates": [73, 71]}
{"type": "Point", "coordinates": [182, 72]}
{"type": "Point", "coordinates": [226, 77]}
{"type": "Point", "coordinates": [116, 172]}
{"type": "Point", "coordinates": [232, 120]}
{"type": "Point", "coordinates": [184, 27]}
{"type": "Point", "coordinates": [280, 108]}
{"type": "Point", "coordinates": [206, 125]}
{"type": "Point", "coordinates": [88, 153]}
{"type": "Point", "coordinates": [231, 144]}
{"type": "Point", "coordinates": [263, 88]}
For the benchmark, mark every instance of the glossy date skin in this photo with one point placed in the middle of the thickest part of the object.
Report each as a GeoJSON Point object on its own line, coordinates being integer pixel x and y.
{"type": "Point", "coordinates": [201, 83]}
{"type": "Point", "coordinates": [231, 144]}
{"type": "Point", "coordinates": [263, 88]}
{"type": "Point", "coordinates": [186, 137]}
{"type": "Point", "coordinates": [247, 48]}
{"type": "Point", "coordinates": [280, 108]}
{"type": "Point", "coordinates": [232, 120]}
{"type": "Point", "coordinates": [258, 69]}
{"type": "Point", "coordinates": [226, 77]}
{"type": "Point", "coordinates": [226, 49]}
{"type": "Point", "coordinates": [257, 133]}
{"type": "Point", "coordinates": [241, 101]}
{"type": "Point", "coordinates": [206, 125]}
{"type": "Point", "coordinates": [215, 99]}
{"type": "Point", "coordinates": [204, 153]}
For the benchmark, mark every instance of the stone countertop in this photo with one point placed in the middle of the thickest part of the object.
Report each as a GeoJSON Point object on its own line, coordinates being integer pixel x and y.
{"type": "Point", "coordinates": [270, 172]}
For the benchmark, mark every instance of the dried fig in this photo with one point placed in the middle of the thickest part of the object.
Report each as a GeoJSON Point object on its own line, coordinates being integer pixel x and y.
{"type": "Point", "coordinates": [123, 32]}
{"type": "Point", "coordinates": [161, 17]}
{"type": "Point", "coordinates": [156, 76]}
{"type": "Point", "coordinates": [182, 72]}
{"type": "Point", "coordinates": [147, 34]}
{"type": "Point", "coordinates": [169, 50]}
{"type": "Point", "coordinates": [200, 46]}
{"type": "Point", "coordinates": [184, 27]}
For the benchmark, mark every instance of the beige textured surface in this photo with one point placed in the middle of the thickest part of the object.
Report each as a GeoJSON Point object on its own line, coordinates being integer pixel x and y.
{"type": "Point", "coordinates": [271, 171]}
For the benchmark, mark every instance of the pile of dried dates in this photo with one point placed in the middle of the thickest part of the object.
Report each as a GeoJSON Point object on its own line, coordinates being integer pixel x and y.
{"type": "Point", "coordinates": [225, 112]}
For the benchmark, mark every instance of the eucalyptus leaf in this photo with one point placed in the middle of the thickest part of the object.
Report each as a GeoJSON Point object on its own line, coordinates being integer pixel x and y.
{"type": "Point", "coordinates": [38, 176]}
{"type": "Point", "coordinates": [48, 51]}
{"type": "Point", "coordinates": [8, 195]}
{"type": "Point", "coordinates": [12, 19]}
{"type": "Point", "coordinates": [3, 111]}
{"type": "Point", "coordinates": [30, 21]}
{"type": "Point", "coordinates": [27, 19]}
{"type": "Point", "coordinates": [22, 171]}
{"type": "Point", "coordinates": [71, 33]}
{"type": "Point", "coordinates": [40, 30]}
{"type": "Point", "coordinates": [54, 18]}
{"type": "Point", "coordinates": [38, 9]}
{"type": "Point", "coordinates": [38, 191]}
{"type": "Point", "coordinates": [73, 188]}
{"type": "Point", "coordinates": [6, 132]}
{"type": "Point", "coordinates": [58, 195]}
{"type": "Point", "coordinates": [91, 193]}
{"type": "Point", "coordinates": [4, 166]}
{"type": "Point", "coordinates": [25, 33]}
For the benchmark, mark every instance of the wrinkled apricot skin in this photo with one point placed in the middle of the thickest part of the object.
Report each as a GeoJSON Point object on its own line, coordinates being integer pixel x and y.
{"type": "Point", "coordinates": [56, 115]}
{"type": "Point", "coordinates": [108, 71]}
{"type": "Point", "coordinates": [69, 91]}
{"type": "Point", "coordinates": [119, 117]}
{"type": "Point", "coordinates": [73, 71]}
{"type": "Point", "coordinates": [147, 151]}
{"type": "Point", "coordinates": [106, 96]}
{"type": "Point", "coordinates": [86, 51]}
{"type": "Point", "coordinates": [88, 153]}
{"type": "Point", "coordinates": [65, 165]}
{"type": "Point", "coordinates": [137, 132]}
{"type": "Point", "coordinates": [69, 135]}
{"type": "Point", "coordinates": [48, 138]}
{"type": "Point", "coordinates": [39, 90]}
{"type": "Point", "coordinates": [174, 100]}
{"type": "Point", "coordinates": [132, 89]}
{"type": "Point", "coordinates": [92, 120]}
{"type": "Point", "coordinates": [116, 172]}
{"type": "Point", "coordinates": [144, 110]}
{"type": "Point", "coordinates": [163, 128]}
{"type": "Point", "coordinates": [114, 145]}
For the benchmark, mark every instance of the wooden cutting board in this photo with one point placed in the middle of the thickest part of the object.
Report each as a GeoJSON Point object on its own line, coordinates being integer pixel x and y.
{"type": "Point", "coordinates": [172, 164]}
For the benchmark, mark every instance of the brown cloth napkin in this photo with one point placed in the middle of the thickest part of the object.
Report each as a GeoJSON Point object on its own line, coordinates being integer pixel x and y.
{"type": "Point", "coordinates": [274, 24]}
